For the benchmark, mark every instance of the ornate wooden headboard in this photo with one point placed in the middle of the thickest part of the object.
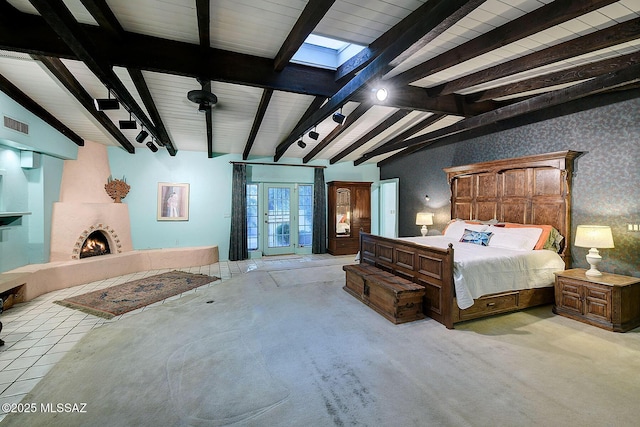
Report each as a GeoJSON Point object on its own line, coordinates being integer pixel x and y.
{"type": "Point", "coordinates": [526, 190]}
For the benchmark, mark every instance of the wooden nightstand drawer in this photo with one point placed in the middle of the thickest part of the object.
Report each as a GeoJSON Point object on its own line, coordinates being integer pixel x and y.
{"type": "Point", "coordinates": [609, 301]}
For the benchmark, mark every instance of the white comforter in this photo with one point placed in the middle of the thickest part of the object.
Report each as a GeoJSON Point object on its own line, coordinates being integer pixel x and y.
{"type": "Point", "coordinates": [482, 270]}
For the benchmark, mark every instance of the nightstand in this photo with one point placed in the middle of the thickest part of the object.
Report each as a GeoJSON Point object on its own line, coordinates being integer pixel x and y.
{"type": "Point", "coordinates": [610, 301]}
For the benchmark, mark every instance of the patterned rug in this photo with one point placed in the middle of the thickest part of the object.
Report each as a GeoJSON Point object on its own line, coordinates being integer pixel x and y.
{"type": "Point", "coordinates": [119, 299]}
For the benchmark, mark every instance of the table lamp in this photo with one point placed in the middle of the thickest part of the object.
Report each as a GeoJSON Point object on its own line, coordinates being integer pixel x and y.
{"type": "Point", "coordinates": [424, 219]}
{"type": "Point", "coordinates": [593, 237]}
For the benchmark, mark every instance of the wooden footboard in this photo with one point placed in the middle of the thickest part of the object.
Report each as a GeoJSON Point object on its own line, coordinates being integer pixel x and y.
{"type": "Point", "coordinates": [427, 266]}
{"type": "Point", "coordinates": [433, 268]}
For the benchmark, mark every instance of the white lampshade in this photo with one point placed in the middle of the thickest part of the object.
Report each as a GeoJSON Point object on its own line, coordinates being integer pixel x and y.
{"type": "Point", "coordinates": [594, 237]}
{"type": "Point", "coordinates": [424, 218]}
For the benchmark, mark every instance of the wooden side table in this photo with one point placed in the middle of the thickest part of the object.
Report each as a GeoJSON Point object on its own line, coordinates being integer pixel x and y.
{"type": "Point", "coordinates": [610, 301]}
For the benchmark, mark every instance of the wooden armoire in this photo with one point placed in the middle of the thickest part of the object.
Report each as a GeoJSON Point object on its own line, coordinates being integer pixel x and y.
{"type": "Point", "coordinates": [349, 206]}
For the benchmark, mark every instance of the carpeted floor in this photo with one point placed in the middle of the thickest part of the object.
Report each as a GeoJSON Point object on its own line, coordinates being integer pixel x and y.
{"type": "Point", "coordinates": [282, 347]}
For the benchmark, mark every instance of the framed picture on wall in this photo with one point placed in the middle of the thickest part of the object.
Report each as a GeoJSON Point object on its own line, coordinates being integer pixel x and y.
{"type": "Point", "coordinates": [173, 201]}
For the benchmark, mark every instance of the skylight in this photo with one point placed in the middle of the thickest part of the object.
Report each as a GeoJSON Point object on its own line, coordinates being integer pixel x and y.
{"type": "Point", "coordinates": [325, 52]}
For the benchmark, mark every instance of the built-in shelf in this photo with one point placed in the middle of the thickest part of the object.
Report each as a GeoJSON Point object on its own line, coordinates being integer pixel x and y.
{"type": "Point", "coordinates": [8, 219]}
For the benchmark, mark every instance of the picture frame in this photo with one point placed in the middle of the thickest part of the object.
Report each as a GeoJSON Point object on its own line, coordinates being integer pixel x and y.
{"type": "Point", "coordinates": [173, 201]}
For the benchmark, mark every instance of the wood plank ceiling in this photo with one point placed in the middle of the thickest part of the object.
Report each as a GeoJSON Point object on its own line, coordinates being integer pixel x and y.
{"type": "Point", "coordinates": [449, 65]}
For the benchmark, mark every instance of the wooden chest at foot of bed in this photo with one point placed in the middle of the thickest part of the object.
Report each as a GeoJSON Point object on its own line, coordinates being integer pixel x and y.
{"type": "Point", "coordinates": [397, 299]}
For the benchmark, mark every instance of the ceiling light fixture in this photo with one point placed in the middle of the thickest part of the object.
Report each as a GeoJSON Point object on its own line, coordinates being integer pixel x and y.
{"type": "Point", "coordinates": [128, 124]}
{"type": "Point", "coordinates": [381, 94]}
{"type": "Point", "coordinates": [314, 135]}
{"type": "Point", "coordinates": [338, 117]}
{"type": "Point", "coordinates": [301, 144]}
{"type": "Point", "coordinates": [151, 146]}
{"type": "Point", "coordinates": [106, 104]}
{"type": "Point", "coordinates": [142, 136]}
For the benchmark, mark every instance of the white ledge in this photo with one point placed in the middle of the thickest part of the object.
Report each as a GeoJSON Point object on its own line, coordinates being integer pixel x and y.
{"type": "Point", "coordinates": [42, 278]}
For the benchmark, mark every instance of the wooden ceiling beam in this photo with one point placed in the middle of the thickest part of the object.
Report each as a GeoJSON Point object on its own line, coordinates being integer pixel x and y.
{"type": "Point", "coordinates": [31, 34]}
{"type": "Point", "coordinates": [611, 36]}
{"type": "Point", "coordinates": [32, 106]}
{"type": "Point", "coordinates": [350, 67]}
{"type": "Point", "coordinates": [257, 121]}
{"type": "Point", "coordinates": [203, 14]}
{"type": "Point", "coordinates": [444, 14]}
{"type": "Point", "coordinates": [312, 14]}
{"type": "Point", "coordinates": [105, 18]}
{"type": "Point", "coordinates": [312, 108]}
{"type": "Point", "coordinates": [533, 22]}
{"type": "Point", "coordinates": [569, 75]}
{"type": "Point", "coordinates": [337, 131]}
{"type": "Point", "coordinates": [381, 127]}
{"type": "Point", "coordinates": [108, 21]}
{"type": "Point", "coordinates": [64, 76]}
{"type": "Point", "coordinates": [64, 24]}
{"type": "Point", "coordinates": [420, 126]}
{"type": "Point", "coordinates": [598, 84]}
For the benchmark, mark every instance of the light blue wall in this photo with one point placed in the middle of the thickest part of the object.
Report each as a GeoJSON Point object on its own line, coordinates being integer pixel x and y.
{"type": "Point", "coordinates": [29, 189]}
{"type": "Point", "coordinates": [210, 192]}
{"type": "Point", "coordinates": [42, 138]}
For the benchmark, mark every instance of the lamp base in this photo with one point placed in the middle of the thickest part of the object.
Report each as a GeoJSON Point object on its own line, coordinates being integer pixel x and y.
{"type": "Point", "coordinates": [423, 230]}
{"type": "Point", "coordinates": [593, 258]}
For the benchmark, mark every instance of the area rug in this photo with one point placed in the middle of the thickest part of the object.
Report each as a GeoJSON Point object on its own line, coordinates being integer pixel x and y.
{"type": "Point", "coordinates": [120, 299]}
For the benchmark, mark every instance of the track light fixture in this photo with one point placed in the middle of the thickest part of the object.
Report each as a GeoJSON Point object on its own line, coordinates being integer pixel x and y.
{"type": "Point", "coordinates": [301, 144]}
{"type": "Point", "coordinates": [151, 146]}
{"type": "Point", "coordinates": [142, 136]}
{"type": "Point", "coordinates": [338, 117]}
{"type": "Point", "coordinates": [106, 104]}
{"type": "Point", "coordinates": [314, 135]}
{"type": "Point", "coordinates": [128, 124]}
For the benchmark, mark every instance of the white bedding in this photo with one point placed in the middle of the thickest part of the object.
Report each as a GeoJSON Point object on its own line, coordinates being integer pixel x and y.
{"type": "Point", "coordinates": [482, 270]}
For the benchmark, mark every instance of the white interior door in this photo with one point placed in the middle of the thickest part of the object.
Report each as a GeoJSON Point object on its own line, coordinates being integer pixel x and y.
{"type": "Point", "coordinates": [388, 208]}
{"type": "Point", "coordinates": [288, 218]}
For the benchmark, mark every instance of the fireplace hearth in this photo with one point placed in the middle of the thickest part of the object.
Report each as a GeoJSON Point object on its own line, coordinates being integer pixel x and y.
{"type": "Point", "coordinates": [96, 244]}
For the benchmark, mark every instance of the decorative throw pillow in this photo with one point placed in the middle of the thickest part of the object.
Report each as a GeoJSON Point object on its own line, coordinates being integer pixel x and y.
{"type": "Point", "coordinates": [476, 237]}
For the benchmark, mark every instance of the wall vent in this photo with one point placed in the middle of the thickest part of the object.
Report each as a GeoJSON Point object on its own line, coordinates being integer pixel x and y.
{"type": "Point", "coordinates": [16, 125]}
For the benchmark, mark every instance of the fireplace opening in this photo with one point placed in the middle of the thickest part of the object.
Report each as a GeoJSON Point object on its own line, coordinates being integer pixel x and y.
{"type": "Point", "coordinates": [95, 244]}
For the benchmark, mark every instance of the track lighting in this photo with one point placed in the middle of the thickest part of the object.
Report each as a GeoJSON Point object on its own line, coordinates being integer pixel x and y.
{"type": "Point", "coordinates": [314, 135]}
{"type": "Point", "coordinates": [106, 104]}
{"type": "Point", "coordinates": [128, 124]}
{"type": "Point", "coordinates": [142, 136]}
{"type": "Point", "coordinates": [338, 117]}
{"type": "Point", "coordinates": [302, 144]}
{"type": "Point", "coordinates": [151, 146]}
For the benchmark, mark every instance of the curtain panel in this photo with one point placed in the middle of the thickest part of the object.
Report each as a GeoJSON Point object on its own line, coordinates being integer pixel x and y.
{"type": "Point", "coordinates": [238, 249]}
{"type": "Point", "coordinates": [319, 241]}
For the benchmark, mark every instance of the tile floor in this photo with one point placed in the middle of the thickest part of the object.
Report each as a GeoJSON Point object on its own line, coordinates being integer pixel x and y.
{"type": "Point", "coordinates": [38, 333]}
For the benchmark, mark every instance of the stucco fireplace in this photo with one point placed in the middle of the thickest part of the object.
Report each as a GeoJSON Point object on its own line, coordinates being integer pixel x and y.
{"type": "Point", "coordinates": [85, 208]}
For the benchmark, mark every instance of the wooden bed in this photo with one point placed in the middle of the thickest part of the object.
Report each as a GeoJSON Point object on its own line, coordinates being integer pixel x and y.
{"type": "Point", "coordinates": [526, 190]}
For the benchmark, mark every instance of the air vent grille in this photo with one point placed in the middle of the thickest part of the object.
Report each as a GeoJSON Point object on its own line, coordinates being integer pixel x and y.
{"type": "Point", "coordinates": [16, 125]}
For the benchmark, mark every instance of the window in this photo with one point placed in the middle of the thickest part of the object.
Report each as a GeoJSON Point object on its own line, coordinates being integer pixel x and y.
{"type": "Point", "coordinates": [324, 52]}
{"type": "Point", "coordinates": [305, 215]}
{"type": "Point", "coordinates": [252, 216]}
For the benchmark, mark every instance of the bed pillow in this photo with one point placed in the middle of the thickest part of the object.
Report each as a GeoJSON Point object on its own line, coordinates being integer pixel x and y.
{"type": "Point", "coordinates": [455, 229]}
{"type": "Point", "coordinates": [476, 237]}
{"type": "Point", "coordinates": [542, 239]}
{"type": "Point", "coordinates": [522, 239]}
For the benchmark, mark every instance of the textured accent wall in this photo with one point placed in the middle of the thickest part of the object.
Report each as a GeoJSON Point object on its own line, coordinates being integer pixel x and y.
{"type": "Point", "coordinates": [606, 183]}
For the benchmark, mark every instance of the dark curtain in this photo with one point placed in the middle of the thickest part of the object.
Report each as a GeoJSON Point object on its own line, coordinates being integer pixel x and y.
{"type": "Point", "coordinates": [319, 243]}
{"type": "Point", "coordinates": [238, 243]}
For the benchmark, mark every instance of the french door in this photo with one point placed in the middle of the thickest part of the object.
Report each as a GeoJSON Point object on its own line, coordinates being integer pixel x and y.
{"type": "Point", "coordinates": [288, 219]}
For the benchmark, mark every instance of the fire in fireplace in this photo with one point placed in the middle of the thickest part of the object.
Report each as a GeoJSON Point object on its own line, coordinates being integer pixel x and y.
{"type": "Point", "coordinates": [95, 244]}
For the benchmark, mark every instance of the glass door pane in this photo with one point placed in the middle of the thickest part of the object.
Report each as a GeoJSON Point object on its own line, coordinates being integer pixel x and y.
{"type": "Point", "coordinates": [277, 215]}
